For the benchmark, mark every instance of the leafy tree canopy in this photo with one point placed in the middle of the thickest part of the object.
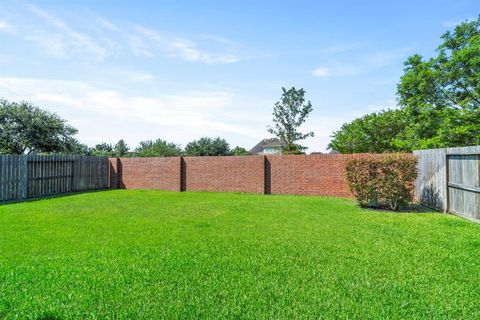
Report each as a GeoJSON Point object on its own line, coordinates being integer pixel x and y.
{"type": "Point", "coordinates": [25, 128]}
{"type": "Point", "coordinates": [206, 146]}
{"type": "Point", "coordinates": [239, 151]}
{"type": "Point", "coordinates": [441, 95]}
{"type": "Point", "coordinates": [288, 116]}
{"type": "Point", "coordinates": [78, 148]}
{"type": "Point", "coordinates": [157, 148]}
{"type": "Point", "coordinates": [102, 150]}
{"type": "Point", "coordinates": [373, 133]}
{"type": "Point", "coordinates": [439, 100]}
{"type": "Point", "coordinates": [121, 149]}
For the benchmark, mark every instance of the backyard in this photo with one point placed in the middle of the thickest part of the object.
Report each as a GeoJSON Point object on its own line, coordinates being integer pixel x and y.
{"type": "Point", "coordinates": [157, 254]}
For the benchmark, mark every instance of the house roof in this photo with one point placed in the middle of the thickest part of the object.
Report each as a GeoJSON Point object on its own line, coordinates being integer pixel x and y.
{"type": "Point", "coordinates": [266, 143]}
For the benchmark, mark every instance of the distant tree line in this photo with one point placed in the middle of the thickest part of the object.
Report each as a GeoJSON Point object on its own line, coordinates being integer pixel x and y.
{"type": "Point", "coordinates": [204, 146]}
{"type": "Point", "coordinates": [26, 129]}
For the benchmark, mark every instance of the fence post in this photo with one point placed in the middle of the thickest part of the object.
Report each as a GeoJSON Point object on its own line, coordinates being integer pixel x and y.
{"type": "Point", "coordinates": [23, 177]}
{"type": "Point", "coordinates": [447, 178]}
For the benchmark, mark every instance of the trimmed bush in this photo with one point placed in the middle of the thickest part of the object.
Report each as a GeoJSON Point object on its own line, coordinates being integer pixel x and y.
{"type": "Point", "coordinates": [383, 181]}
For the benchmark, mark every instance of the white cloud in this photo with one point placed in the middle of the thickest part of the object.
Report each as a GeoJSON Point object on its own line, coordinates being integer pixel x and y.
{"type": "Point", "coordinates": [216, 38]}
{"type": "Point", "coordinates": [337, 69]}
{"type": "Point", "coordinates": [63, 40]}
{"type": "Point", "coordinates": [135, 43]}
{"type": "Point", "coordinates": [7, 27]}
{"type": "Point", "coordinates": [100, 39]}
{"type": "Point", "coordinates": [142, 77]}
{"type": "Point", "coordinates": [134, 75]}
{"type": "Point", "coordinates": [107, 24]}
{"type": "Point", "coordinates": [147, 42]}
{"type": "Point", "coordinates": [138, 46]}
{"type": "Point", "coordinates": [54, 36]}
{"type": "Point", "coordinates": [3, 25]}
{"type": "Point", "coordinates": [179, 117]}
{"type": "Point", "coordinates": [321, 72]}
{"type": "Point", "coordinates": [183, 48]}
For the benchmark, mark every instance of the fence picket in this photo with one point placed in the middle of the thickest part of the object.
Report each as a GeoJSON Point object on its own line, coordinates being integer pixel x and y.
{"type": "Point", "coordinates": [449, 180]}
{"type": "Point", "coordinates": [30, 176]}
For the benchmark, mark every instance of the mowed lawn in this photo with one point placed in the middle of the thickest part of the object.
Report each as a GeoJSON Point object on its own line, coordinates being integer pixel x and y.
{"type": "Point", "coordinates": [153, 254]}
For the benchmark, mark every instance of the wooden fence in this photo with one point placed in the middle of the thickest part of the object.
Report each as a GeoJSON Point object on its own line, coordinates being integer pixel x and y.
{"type": "Point", "coordinates": [31, 176]}
{"type": "Point", "coordinates": [449, 180]}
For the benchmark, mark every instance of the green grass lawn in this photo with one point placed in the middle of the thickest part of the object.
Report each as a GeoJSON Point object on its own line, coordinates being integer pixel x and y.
{"type": "Point", "coordinates": [152, 254]}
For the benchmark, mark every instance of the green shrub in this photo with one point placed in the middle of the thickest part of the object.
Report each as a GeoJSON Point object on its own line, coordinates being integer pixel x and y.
{"type": "Point", "coordinates": [383, 181]}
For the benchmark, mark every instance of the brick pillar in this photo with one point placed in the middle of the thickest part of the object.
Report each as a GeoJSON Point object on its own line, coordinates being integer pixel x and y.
{"type": "Point", "coordinates": [267, 173]}
{"type": "Point", "coordinates": [183, 174]}
{"type": "Point", "coordinates": [115, 173]}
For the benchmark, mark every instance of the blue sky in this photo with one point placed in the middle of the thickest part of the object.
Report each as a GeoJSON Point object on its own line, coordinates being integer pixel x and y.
{"type": "Point", "coordinates": [179, 70]}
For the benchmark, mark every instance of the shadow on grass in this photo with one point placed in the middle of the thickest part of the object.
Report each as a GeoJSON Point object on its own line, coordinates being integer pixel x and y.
{"type": "Point", "coordinates": [53, 196]}
{"type": "Point", "coordinates": [411, 208]}
{"type": "Point", "coordinates": [49, 317]}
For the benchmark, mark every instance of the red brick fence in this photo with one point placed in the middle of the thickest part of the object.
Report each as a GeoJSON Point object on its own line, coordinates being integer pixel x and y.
{"type": "Point", "coordinates": [301, 174]}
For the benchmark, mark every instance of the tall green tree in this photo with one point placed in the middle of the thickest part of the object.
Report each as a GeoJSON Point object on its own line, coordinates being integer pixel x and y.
{"type": "Point", "coordinates": [439, 99]}
{"type": "Point", "coordinates": [441, 95]}
{"type": "Point", "coordinates": [288, 116]}
{"type": "Point", "coordinates": [206, 146]}
{"type": "Point", "coordinates": [102, 150]}
{"type": "Point", "coordinates": [120, 149]}
{"type": "Point", "coordinates": [157, 148]}
{"type": "Point", "coordinates": [373, 133]}
{"type": "Point", "coordinates": [25, 128]}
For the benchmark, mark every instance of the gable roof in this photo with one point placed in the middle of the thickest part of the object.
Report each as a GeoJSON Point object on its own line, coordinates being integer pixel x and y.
{"type": "Point", "coordinates": [266, 143]}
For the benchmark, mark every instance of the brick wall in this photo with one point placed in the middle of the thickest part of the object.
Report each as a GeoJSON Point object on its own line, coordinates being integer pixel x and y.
{"type": "Point", "coordinates": [309, 175]}
{"type": "Point", "coordinates": [149, 173]}
{"type": "Point", "coordinates": [304, 175]}
{"type": "Point", "coordinates": [236, 173]}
